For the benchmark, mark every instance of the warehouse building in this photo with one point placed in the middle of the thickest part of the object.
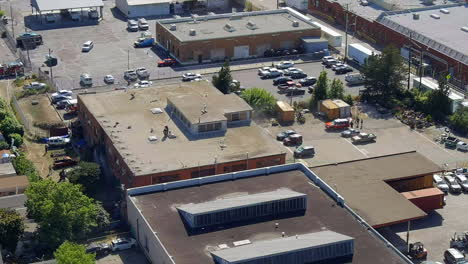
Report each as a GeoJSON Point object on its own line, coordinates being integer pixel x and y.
{"type": "Point", "coordinates": [377, 187]}
{"type": "Point", "coordinates": [175, 132]}
{"type": "Point", "coordinates": [280, 214]}
{"type": "Point", "coordinates": [210, 38]}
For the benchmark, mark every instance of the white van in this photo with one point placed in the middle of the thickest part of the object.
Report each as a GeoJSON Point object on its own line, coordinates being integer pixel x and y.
{"type": "Point", "coordinates": [58, 141]}
{"type": "Point", "coordinates": [86, 79]}
{"type": "Point", "coordinates": [453, 256]}
{"type": "Point", "coordinates": [354, 79]}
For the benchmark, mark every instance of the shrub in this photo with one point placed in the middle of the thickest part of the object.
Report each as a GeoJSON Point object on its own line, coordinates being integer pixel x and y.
{"type": "Point", "coordinates": [459, 120]}
{"type": "Point", "coordinates": [19, 82]}
{"type": "Point", "coordinates": [4, 145]}
{"type": "Point", "coordinates": [23, 166]}
{"type": "Point", "coordinates": [260, 100]}
{"type": "Point", "coordinates": [349, 100]}
{"type": "Point", "coordinates": [9, 125]}
{"type": "Point", "coordinates": [18, 139]}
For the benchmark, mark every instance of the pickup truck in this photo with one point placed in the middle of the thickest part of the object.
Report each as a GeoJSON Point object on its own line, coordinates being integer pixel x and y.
{"type": "Point", "coordinates": [451, 142]}
{"type": "Point", "coordinates": [143, 42]}
{"type": "Point", "coordinates": [363, 138]}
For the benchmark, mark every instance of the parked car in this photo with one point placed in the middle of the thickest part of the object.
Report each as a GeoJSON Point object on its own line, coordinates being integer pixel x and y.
{"type": "Point", "coordinates": [190, 76]}
{"type": "Point", "coordinates": [264, 70]}
{"type": "Point", "coordinates": [288, 71]}
{"type": "Point", "coordinates": [341, 123]}
{"type": "Point", "coordinates": [285, 65]}
{"type": "Point", "coordinates": [325, 58]}
{"type": "Point", "coordinates": [142, 73]}
{"type": "Point", "coordinates": [440, 183]}
{"type": "Point", "coordinates": [109, 79]}
{"type": "Point", "coordinates": [63, 162]}
{"type": "Point", "coordinates": [272, 73]}
{"type": "Point", "coordinates": [308, 81]}
{"type": "Point", "coordinates": [281, 80]}
{"type": "Point", "coordinates": [298, 75]}
{"type": "Point", "coordinates": [143, 84]}
{"type": "Point", "coordinates": [451, 142]}
{"type": "Point", "coordinates": [453, 184]}
{"type": "Point", "coordinates": [463, 181]}
{"type": "Point", "coordinates": [143, 24]}
{"type": "Point", "coordinates": [166, 62]}
{"type": "Point", "coordinates": [59, 98]}
{"type": "Point", "coordinates": [292, 91]}
{"type": "Point", "coordinates": [58, 141]}
{"type": "Point", "coordinates": [454, 256]}
{"type": "Point", "coordinates": [86, 79]}
{"type": "Point", "coordinates": [462, 146]}
{"type": "Point", "coordinates": [343, 69]}
{"type": "Point", "coordinates": [330, 62]}
{"type": "Point", "coordinates": [337, 65]}
{"type": "Point", "coordinates": [354, 79]}
{"type": "Point", "coordinates": [281, 136]}
{"type": "Point", "coordinates": [100, 249]}
{"type": "Point", "coordinates": [304, 151]}
{"type": "Point", "coordinates": [62, 92]}
{"type": "Point", "coordinates": [293, 140]}
{"type": "Point", "coordinates": [363, 138]}
{"type": "Point", "coordinates": [62, 104]}
{"type": "Point", "coordinates": [130, 75]}
{"type": "Point", "coordinates": [123, 243]}
{"type": "Point", "coordinates": [350, 133]}
{"type": "Point", "coordinates": [35, 85]}
{"type": "Point", "coordinates": [132, 25]}
{"type": "Point", "coordinates": [87, 46]}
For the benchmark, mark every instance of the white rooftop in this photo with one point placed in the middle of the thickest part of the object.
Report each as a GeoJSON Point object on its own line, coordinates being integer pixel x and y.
{"type": "Point", "coordinates": [49, 5]}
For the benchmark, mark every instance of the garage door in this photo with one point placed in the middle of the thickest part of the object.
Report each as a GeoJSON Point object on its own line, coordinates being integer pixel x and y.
{"type": "Point", "coordinates": [262, 48]}
{"type": "Point", "coordinates": [149, 10]}
{"type": "Point", "coordinates": [287, 44]}
{"type": "Point", "coordinates": [217, 54]}
{"type": "Point", "coordinates": [241, 52]}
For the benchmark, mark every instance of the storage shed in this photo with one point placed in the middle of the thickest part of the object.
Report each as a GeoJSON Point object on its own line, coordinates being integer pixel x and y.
{"type": "Point", "coordinates": [345, 109]}
{"type": "Point", "coordinates": [285, 112]}
{"type": "Point", "coordinates": [331, 110]}
{"type": "Point", "coordinates": [426, 199]}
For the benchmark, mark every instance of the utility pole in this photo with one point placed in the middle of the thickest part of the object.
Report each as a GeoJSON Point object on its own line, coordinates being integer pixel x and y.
{"type": "Point", "coordinates": [407, 236]}
{"type": "Point", "coordinates": [51, 75]}
{"type": "Point", "coordinates": [409, 59]}
{"type": "Point", "coordinates": [346, 33]}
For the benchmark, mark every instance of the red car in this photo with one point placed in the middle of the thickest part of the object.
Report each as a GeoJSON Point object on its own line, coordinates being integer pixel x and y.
{"type": "Point", "coordinates": [338, 124]}
{"type": "Point", "coordinates": [64, 162]}
{"type": "Point", "coordinates": [166, 62]}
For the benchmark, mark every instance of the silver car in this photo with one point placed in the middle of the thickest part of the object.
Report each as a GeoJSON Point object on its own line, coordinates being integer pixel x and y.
{"type": "Point", "coordinates": [463, 181]}
{"type": "Point", "coordinates": [453, 184]}
{"type": "Point", "coordinates": [350, 133]}
{"type": "Point", "coordinates": [440, 183]}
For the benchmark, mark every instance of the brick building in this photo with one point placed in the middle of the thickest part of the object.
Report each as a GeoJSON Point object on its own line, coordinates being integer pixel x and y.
{"type": "Point", "coordinates": [390, 21]}
{"type": "Point", "coordinates": [237, 35]}
{"type": "Point", "coordinates": [208, 133]}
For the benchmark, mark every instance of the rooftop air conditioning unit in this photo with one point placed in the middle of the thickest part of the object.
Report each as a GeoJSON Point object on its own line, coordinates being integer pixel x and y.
{"type": "Point", "coordinates": [295, 23]}
{"type": "Point", "coordinates": [173, 27]}
{"type": "Point", "coordinates": [464, 29]}
{"type": "Point", "coordinates": [251, 25]}
{"type": "Point", "coordinates": [229, 28]}
{"type": "Point", "coordinates": [192, 32]}
{"type": "Point", "coordinates": [435, 16]}
{"type": "Point", "coordinates": [415, 16]}
{"type": "Point", "coordinates": [445, 11]}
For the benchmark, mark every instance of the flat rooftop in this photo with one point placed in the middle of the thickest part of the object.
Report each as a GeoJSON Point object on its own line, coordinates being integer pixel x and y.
{"type": "Point", "coordinates": [10, 183]}
{"type": "Point", "coordinates": [7, 169]}
{"type": "Point", "coordinates": [213, 26]}
{"type": "Point", "coordinates": [362, 184]}
{"type": "Point", "coordinates": [444, 34]}
{"type": "Point", "coordinates": [127, 120]}
{"type": "Point", "coordinates": [50, 5]}
{"type": "Point", "coordinates": [322, 214]}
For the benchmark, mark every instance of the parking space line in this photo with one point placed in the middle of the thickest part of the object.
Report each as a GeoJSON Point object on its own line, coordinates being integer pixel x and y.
{"type": "Point", "coordinates": [360, 150]}
{"type": "Point", "coordinates": [428, 139]}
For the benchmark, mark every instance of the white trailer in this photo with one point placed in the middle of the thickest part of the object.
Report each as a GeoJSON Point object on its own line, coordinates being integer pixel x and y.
{"type": "Point", "coordinates": [334, 38]}
{"type": "Point", "coordinates": [358, 52]}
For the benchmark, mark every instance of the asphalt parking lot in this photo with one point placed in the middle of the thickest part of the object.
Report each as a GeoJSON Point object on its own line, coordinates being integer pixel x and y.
{"type": "Point", "coordinates": [392, 137]}
{"type": "Point", "coordinates": [129, 256]}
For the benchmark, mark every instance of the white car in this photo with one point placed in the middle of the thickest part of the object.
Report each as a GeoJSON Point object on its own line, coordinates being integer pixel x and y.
{"type": "Point", "coordinates": [326, 58]}
{"type": "Point", "coordinates": [440, 183]}
{"type": "Point", "coordinates": [35, 85]}
{"type": "Point", "coordinates": [109, 79]}
{"type": "Point", "coordinates": [190, 76]}
{"type": "Point", "coordinates": [263, 70]}
{"type": "Point", "coordinates": [62, 93]}
{"type": "Point", "coordinates": [285, 65]}
{"type": "Point", "coordinates": [58, 141]}
{"type": "Point", "coordinates": [142, 73]}
{"type": "Point", "coordinates": [462, 146]}
{"type": "Point", "coordinates": [143, 84]}
{"type": "Point", "coordinates": [122, 244]}
{"type": "Point", "coordinates": [87, 46]}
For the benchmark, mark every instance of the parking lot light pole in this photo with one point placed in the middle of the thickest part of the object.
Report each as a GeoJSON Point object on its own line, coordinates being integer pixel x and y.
{"type": "Point", "coordinates": [407, 236]}
{"type": "Point", "coordinates": [128, 59]}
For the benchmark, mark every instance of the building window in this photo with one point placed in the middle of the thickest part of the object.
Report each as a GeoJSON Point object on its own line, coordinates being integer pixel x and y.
{"type": "Point", "coordinates": [209, 127]}
{"type": "Point", "coordinates": [235, 117]}
{"type": "Point", "coordinates": [268, 162]}
{"type": "Point", "coordinates": [203, 173]}
{"type": "Point", "coordinates": [165, 178]}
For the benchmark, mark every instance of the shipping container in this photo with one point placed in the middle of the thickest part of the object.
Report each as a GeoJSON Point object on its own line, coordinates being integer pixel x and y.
{"type": "Point", "coordinates": [331, 110]}
{"type": "Point", "coordinates": [426, 199]}
{"type": "Point", "coordinates": [345, 109]}
{"type": "Point", "coordinates": [285, 112]}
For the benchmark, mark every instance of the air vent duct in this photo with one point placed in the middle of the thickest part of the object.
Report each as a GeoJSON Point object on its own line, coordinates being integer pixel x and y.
{"type": "Point", "coordinates": [173, 27]}
{"type": "Point", "coordinates": [229, 28]}
{"type": "Point", "coordinates": [435, 16]}
{"type": "Point", "coordinates": [464, 29]}
{"type": "Point", "coordinates": [445, 11]}
{"type": "Point", "coordinates": [295, 23]}
{"type": "Point", "coordinates": [192, 32]}
{"type": "Point", "coordinates": [415, 16]}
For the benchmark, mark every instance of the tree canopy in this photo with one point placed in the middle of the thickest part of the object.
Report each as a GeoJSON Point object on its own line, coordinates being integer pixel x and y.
{"type": "Point", "coordinates": [259, 99]}
{"type": "Point", "coordinates": [321, 88]}
{"type": "Point", "coordinates": [336, 89]}
{"type": "Point", "coordinates": [223, 79]}
{"type": "Point", "coordinates": [62, 211]}
{"type": "Point", "coordinates": [384, 75]}
{"type": "Point", "coordinates": [459, 120]}
{"type": "Point", "coordinates": [11, 228]}
{"type": "Point", "coordinates": [71, 253]}
{"type": "Point", "coordinates": [87, 174]}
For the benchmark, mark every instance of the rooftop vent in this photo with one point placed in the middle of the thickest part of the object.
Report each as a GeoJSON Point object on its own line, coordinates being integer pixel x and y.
{"type": "Point", "coordinates": [295, 23]}
{"type": "Point", "coordinates": [192, 32]}
{"type": "Point", "coordinates": [415, 16]}
{"type": "Point", "coordinates": [445, 11]}
{"type": "Point", "coordinates": [229, 28]}
{"type": "Point", "coordinates": [435, 16]}
{"type": "Point", "coordinates": [173, 27]}
{"type": "Point", "coordinates": [464, 29]}
{"type": "Point", "coordinates": [251, 25]}
{"type": "Point", "coordinates": [241, 243]}
{"type": "Point", "coordinates": [194, 16]}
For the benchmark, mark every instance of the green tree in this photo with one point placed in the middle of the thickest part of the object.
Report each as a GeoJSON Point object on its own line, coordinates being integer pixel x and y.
{"type": "Point", "coordinates": [223, 79]}
{"type": "Point", "coordinates": [349, 100]}
{"type": "Point", "coordinates": [62, 211]}
{"type": "Point", "coordinates": [102, 217]}
{"type": "Point", "coordinates": [86, 174]}
{"type": "Point", "coordinates": [260, 100]}
{"type": "Point", "coordinates": [11, 228]}
{"type": "Point", "coordinates": [23, 166]}
{"type": "Point", "coordinates": [9, 126]}
{"type": "Point", "coordinates": [336, 89]}
{"type": "Point", "coordinates": [439, 102]}
{"type": "Point", "coordinates": [459, 120]}
{"type": "Point", "coordinates": [321, 88]}
{"type": "Point", "coordinates": [71, 253]}
{"type": "Point", "coordinates": [384, 75]}
{"type": "Point", "coordinates": [18, 139]}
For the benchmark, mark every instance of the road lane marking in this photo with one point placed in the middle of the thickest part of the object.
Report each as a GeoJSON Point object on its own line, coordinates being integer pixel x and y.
{"type": "Point", "coordinates": [358, 149]}
{"type": "Point", "coordinates": [428, 139]}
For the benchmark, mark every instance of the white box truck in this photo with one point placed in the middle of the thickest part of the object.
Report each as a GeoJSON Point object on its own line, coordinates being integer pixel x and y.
{"type": "Point", "coordinates": [358, 53]}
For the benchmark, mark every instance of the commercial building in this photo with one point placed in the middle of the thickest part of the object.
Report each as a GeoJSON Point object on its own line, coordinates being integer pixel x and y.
{"type": "Point", "coordinates": [373, 187]}
{"type": "Point", "coordinates": [207, 133]}
{"type": "Point", "coordinates": [209, 38]}
{"type": "Point", "coordinates": [278, 214]}
{"type": "Point", "coordinates": [53, 6]}
{"type": "Point", "coordinates": [439, 38]}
